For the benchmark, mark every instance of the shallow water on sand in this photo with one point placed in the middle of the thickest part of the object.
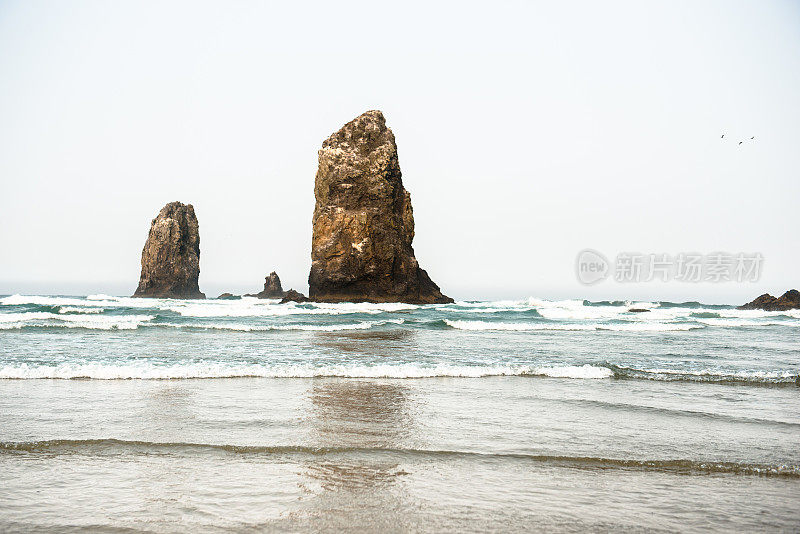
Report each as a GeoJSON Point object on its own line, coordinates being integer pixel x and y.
{"type": "Point", "coordinates": [600, 419]}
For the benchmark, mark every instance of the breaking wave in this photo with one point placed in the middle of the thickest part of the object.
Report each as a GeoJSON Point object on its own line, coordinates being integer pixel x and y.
{"type": "Point", "coordinates": [158, 370]}
{"type": "Point", "coordinates": [155, 371]}
{"type": "Point", "coordinates": [93, 447]}
{"type": "Point", "coordinates": [528, 327]}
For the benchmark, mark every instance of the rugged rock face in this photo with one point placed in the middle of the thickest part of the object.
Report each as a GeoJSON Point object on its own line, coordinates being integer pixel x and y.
{"type": "Point", "coordinates": [788, 301]}
{"type": "Point", "coordinates": [272, 288]}
{"type": "Point", "coordinates": [171, 255]}
{"type": "Point", "coordinates": [363, 221]}
{"type": "Point", "coordinates": [293, 296]}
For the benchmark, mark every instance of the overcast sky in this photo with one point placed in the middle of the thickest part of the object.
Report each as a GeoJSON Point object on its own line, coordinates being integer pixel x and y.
{"type": "Point", "coordinates": [527, 131]}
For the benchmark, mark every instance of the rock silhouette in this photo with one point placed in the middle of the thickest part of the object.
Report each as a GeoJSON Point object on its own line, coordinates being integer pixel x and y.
{"type": "Point", "coordinates": [293, 296]}
{"type": "Point", "coordinates": [363, 221]}
{"type": "Point", "coordinates": [171, 255]}
{"type": "Point", "coordinates": [788, 301]}
{"type": "Point", "coordinates": [272, 288]}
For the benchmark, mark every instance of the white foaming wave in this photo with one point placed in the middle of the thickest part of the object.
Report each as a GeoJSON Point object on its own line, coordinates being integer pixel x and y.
{"type": "Point", "coordinates": [101, 296]}
{"type": "Point", "coordinates": [151, 371]}
{"type": "Point", "coordinates": [755, 314]}
{"type": "Point", "coordinates": [478, 307]}
{"type": "Point", "coordinates": [572, 371]}
{"type": "Point", "coordinates": [574, 309]}
{"type": "Point", "coordinates": [662, 314]}
{"type": "Point", "coordinates": [529, 327]}
{"type": "Point", "coordinates": [25, 316]}
{"type": "Point", "coordinates": [489, 309]}
{"type": "Point", "coordinates": [721, 374]}
{"type": "Point", "coordinates": [570, 303]}
{"type": "Point", "coordinates": [11, 321]}
{"type": "Point", "coordinates": [518, 327]}
{"type": "Point", "coordinates": [365, 307]}
{"type": "Point", "coordinates": [733, 323]}
{"type": "Point", "coordinates": [15, 300]}
{"type": "Point", "coordinates": [363, 325]}
{"type": "Point", "coordinates": [245, 309]}
{"type": "Point", "coordinates": [649, 327]}
{"type": "Point", "coordinates": [253, 307]}
{"type": "Point", "coordinates": [72, 309]}
{"type": "Point", "coordinates": [91, 301]}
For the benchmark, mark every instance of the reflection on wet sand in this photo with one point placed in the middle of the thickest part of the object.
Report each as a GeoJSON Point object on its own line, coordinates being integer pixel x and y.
{"type": "Point", "coordinates": [382, 343]}
{"type": "Point", "coordinates": [358, 415]}
{"type": "Point", "coordinates": [165, 407]}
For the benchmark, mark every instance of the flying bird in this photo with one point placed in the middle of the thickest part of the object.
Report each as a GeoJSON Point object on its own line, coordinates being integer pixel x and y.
{"type": "Point", "coordinates": [722, 136]}
{"type": "Point", "coordinates": [753, 137]}
{"type": "Point", "coordinates": [740, 142]}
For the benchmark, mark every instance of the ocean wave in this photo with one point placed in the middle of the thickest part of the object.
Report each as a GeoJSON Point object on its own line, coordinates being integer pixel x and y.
{"type": "Point", "coordinates": [13, 321]}
{"type": "Point", "coordinates": [158, 370]}
{"type": "Point", "coordinates": [363, 325]}
{"type": "Point", "coordinates": [572, 371]}
{"type": "Point", "coordinates": [514, 327]}
{"type": "Point", "coordinates": [739, 323]}
{"type": "Point", "coordinates": [672, 466]}
{"type": "Point", "coordinates": [17, 300]}
{"type": "Point", "coordinates": [252, 307]}
{"type": "Point", "coordinates": [747, 377]}
{"type": "Point", "coordinates": [154, 371]}
{"type": "Point", "coordinates": [531, 314]}
{"type": "Point", "coordinates": [92, 321]}
{"type": "Point", "coordinates": [73, 309]}
{"type": "Point", "coordinates": [649, 327]}
{"type": "Point", "coordinates": [532, 327]}
{"type": "Point", "coordinates": [100, 301]}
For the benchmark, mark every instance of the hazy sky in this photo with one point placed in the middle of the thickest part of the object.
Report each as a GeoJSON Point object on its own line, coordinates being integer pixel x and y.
{"type": "Point", "coordinates": [527, 131]}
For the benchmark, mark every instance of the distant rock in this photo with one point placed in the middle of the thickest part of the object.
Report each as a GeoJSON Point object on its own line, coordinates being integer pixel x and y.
{"type": "Point", "coordinates": [293, 296]}
{"type": "Point", "coordinates": [788, 301]}
{"type": "Point", "coordinates": [228, 296]}
{"type": "Point", "coordinates": [638, 310]}
{"type": "Point", "coordinates": [363, 221]}
{"type": "Point", "coordinates": [171, 255]}
{"type": "Point", "coordinates": [272, 288]}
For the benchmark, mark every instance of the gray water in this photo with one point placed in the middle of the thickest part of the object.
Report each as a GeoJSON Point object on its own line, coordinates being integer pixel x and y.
{"type": "Point", "coordinates": [170, 416]}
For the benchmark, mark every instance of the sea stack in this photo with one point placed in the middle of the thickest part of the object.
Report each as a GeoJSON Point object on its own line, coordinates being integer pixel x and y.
{"type": "Point", "coordinates": [272, 288]}
{"type": "Point", "coordinates": [363, 221]}
{"type": "Point", "coordinates": [788, 301]}
{"type": "Point", "coordinates": [171, 255]}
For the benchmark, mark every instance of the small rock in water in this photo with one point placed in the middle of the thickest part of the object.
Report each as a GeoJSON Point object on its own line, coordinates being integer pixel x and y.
{"type": "Point", "coordinates": [293, 296]}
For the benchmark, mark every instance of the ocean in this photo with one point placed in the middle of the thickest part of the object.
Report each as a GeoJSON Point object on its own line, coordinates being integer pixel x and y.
{"type": "Point", "coordinates": [128, 415]}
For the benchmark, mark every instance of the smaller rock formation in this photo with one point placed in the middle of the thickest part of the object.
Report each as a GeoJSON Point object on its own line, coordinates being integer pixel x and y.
{"type": "Point", "coordinates": [228, 296]}
{"type": "Point", "coordinates": [272, 288]}
{"type": "Point", "coordinates": [638, 310]}
{"type": "Point", "coordinates": [171, 255]}
{"type": "Point", "coordinates": [293, 296]}
{"type": "Point", "coordinates": [788, 301]}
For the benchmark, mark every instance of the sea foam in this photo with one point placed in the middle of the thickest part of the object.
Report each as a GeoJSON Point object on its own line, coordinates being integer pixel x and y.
{"type": "Point", "coordinates": [151, 371]}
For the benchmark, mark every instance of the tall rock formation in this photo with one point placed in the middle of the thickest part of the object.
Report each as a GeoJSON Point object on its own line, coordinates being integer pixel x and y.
{"type": "Point", "coordinates": [363, 221]}
{"type": "Point", "coordinates": [171, 255]}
